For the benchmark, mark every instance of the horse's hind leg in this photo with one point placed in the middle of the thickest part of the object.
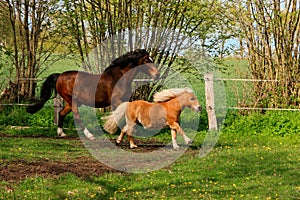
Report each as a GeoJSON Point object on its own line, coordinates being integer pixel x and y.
{"type": "Point", "coordinates": [76, 117]}
{"type": "Point", "coordinates": [62, 114]}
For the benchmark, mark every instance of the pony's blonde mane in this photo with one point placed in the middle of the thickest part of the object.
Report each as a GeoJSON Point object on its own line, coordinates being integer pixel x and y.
{"type": "Point", "coordinates": [168, 94]}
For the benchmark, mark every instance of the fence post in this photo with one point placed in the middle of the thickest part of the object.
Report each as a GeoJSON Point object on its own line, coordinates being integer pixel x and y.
{"type": "Point", "coordinates": [210, 102]}
{"type": "Point", "coordinates": [58, 104]}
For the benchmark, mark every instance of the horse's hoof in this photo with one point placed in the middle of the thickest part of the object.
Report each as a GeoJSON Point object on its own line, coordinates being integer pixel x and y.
{"type": "Point", "coordinates": [117, 143]}
{"type": "Point", "coordinates": [133, 146]}
{"type": "Point", "coordinates": [62, 135]}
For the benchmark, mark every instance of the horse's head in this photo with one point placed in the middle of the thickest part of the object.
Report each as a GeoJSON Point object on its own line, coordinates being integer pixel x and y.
{"type": "Point", "coordinates": [148, 67]}
{"type": "Point", "coordinates": [138, 59]}
{"type": "Point", "coordinates": [190, 100]}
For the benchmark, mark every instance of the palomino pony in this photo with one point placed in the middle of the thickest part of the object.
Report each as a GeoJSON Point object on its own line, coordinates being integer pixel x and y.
{"type": "Point", "coordinates": [164, 112]}
{"type": "Point", "coordinates": [95, 90]}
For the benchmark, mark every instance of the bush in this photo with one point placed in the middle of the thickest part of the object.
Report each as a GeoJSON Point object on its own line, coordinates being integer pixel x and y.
{"type": "Point", "coordinates": [17, 116]}
{"type": "Point", "coordinates": [272, 123]}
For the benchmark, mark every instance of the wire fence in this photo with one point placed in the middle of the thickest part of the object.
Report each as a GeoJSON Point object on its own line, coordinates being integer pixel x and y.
{"type": "Point", "coordinates": [2, 87]}
{"type": "Point", "coordinates": [252, 108]}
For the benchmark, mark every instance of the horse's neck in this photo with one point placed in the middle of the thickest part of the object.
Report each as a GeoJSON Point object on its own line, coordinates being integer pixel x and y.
{"type": "Point", "coordinates": [127, 74]}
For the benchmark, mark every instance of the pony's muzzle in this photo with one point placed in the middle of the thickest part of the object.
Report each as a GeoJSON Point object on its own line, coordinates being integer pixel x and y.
{"type": "Point", "coordinates": [198, 108]}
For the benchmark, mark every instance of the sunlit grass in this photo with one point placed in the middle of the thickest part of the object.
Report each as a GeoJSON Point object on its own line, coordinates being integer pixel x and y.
{"type": "Point", "coordinates": [239, 167]}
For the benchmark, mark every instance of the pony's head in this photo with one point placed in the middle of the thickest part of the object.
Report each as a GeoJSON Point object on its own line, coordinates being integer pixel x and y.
{"type": "Point", "coordinates": [190, 100]}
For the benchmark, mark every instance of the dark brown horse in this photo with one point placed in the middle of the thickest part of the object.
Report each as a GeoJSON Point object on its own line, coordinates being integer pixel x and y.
{"type": "Point", "coordinates": [95, 90]}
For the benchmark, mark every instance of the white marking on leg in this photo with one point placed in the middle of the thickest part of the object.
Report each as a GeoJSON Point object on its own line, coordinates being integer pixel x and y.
{"type": "Point", "coordinates": [132, 146]}
{"type": "Point", "coordinates": [88, 134]}
{"type": "Point", "coordinates": [175, 145]}
{"type": "Point", "coordinates": [60, 132]}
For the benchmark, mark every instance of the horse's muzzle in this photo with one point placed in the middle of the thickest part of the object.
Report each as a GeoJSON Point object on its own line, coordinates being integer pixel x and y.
{"type": "Point", "coordinates": [156, 76]}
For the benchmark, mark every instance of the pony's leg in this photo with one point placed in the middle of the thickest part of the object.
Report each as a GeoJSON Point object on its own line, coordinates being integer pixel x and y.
{"type": "Point", "coordinates": [121, 136]}
{"type": "Point", "coordinates": [76, 117]}
{"type": "Point", "coordinates": [179, 130]}
{"type": "Point", "coordinates": [186, 138]}
{"type": "Point", "coordinates": [175, 145]}
{"type": "Point", "coordinates": [67, 109]}
{"type": "Point", "coordinates": [127, 130]}
{"type": "Point", "coordinates": [130, 130]}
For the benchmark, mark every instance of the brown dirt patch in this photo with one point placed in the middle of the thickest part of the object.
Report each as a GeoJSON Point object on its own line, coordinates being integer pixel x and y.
{"type": "Point", "coordinates": [83, 167]}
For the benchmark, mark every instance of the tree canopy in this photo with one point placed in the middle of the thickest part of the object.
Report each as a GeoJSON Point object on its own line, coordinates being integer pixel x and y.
{"type": "Point", "coordinates": [98, 31]}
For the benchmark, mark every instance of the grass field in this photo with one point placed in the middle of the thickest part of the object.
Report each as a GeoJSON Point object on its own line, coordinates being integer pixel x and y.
{"type": "Point", "coordinates": [256, 157]}
{"type": "Point", "coordinates": [239, 167]}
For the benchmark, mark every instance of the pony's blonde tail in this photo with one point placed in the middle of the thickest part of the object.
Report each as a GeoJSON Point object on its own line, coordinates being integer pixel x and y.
{"type": "Point", "coordinates": [111, 125]}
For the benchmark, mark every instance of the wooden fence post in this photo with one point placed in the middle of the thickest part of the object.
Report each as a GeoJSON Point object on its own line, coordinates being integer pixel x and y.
{"type": "Point", "coordinates": [58, 104]}
{"type": "Point", "coordinates": [210, 102]}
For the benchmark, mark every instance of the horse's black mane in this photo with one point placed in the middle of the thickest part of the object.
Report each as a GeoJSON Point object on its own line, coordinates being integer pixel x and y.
{"type": "Point", "coordinates": [130, 57]}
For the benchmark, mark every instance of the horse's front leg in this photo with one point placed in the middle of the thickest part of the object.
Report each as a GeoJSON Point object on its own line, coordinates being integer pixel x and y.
{"type": "Point", "coordinates": [76, 117]}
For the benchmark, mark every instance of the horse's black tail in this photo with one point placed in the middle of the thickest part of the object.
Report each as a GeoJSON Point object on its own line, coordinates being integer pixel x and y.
{"type": "Point", "coordinates": [47, 89]}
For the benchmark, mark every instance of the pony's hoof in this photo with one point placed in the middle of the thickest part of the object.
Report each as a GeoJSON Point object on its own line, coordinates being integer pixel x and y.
{"type": "Point", "coordinates": [117, 143]}
{"type": "Point", "coordinates": [91, 138]}
{"type": "Point", "coordinates": [133, 146]}
{"type": "Point", "coordinates": [176, 148]}
{"type": "Point", "coordinates": [190, 142]}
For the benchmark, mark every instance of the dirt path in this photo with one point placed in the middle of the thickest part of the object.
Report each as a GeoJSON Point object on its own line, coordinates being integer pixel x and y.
{"type": "Point", "coordinates": [83, 167]}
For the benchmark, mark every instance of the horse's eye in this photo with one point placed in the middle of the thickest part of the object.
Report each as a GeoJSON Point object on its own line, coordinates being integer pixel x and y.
{"type": "Point", "coordinates": [192, 98]}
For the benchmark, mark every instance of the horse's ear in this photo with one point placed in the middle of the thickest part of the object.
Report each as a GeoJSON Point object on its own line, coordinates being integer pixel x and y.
{"type": "Point", "coordinates": [141, 52]}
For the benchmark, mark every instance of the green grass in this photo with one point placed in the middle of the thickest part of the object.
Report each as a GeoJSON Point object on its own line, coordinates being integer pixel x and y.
{"type": "Point", "coordinates": [256, 157]}
{"type": "Point", "coordinates": [239, 167]}
{"type": "Point", "coordinates": [250, 161]}
{"type": "Point", "coordinates": [32, 148]}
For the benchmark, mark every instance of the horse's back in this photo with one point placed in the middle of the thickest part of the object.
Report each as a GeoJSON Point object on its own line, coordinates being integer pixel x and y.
{"type": "Point", "coordinates": [65, 83]}
{"type": "Point", "coordinates": [83, 88]}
